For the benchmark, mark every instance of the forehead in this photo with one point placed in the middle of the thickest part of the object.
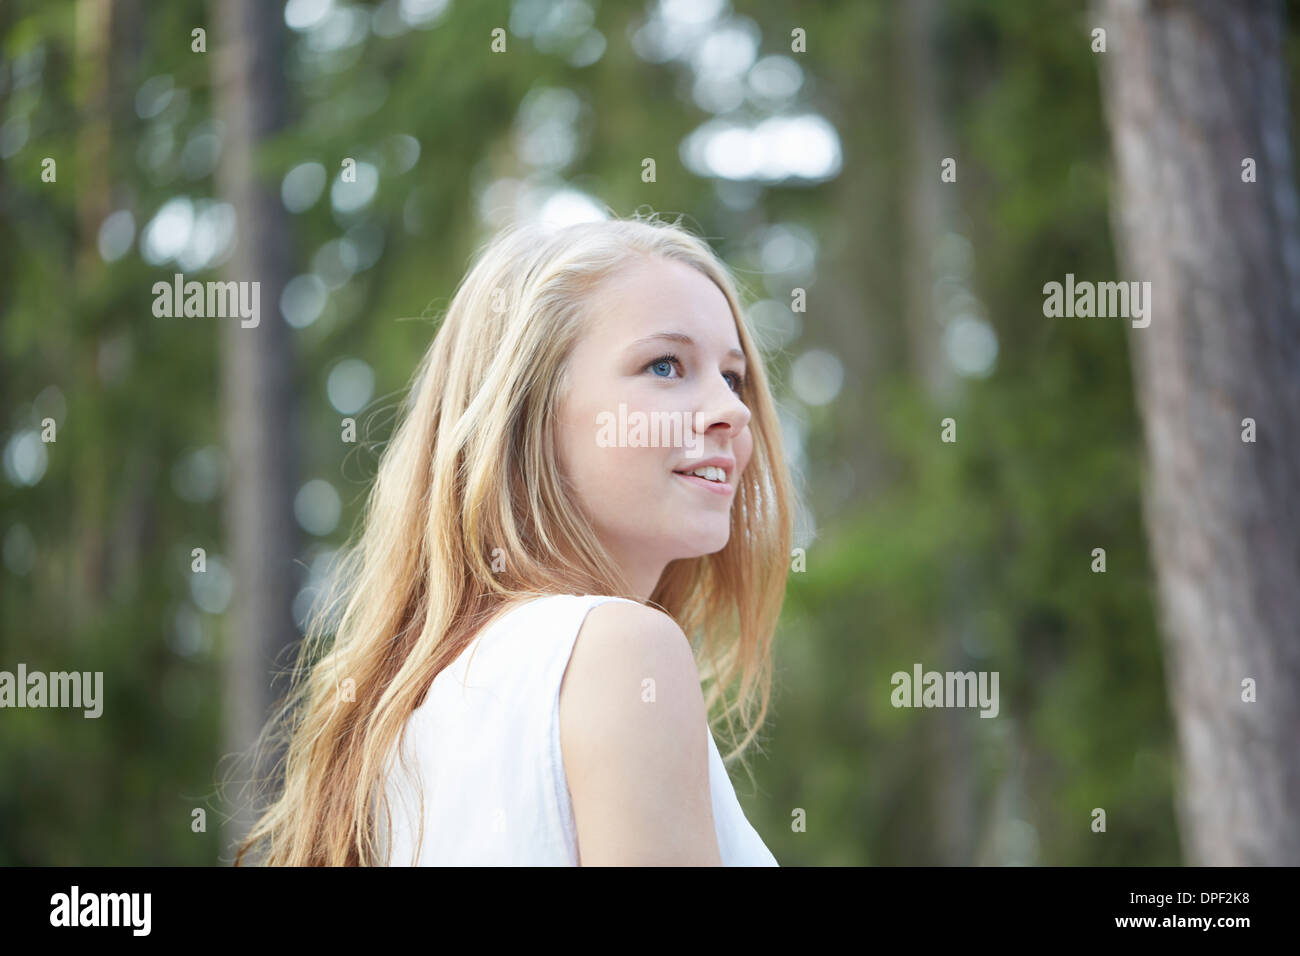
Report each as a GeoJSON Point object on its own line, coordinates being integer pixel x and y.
{"type": "Point", "coordinates": [651, 294]}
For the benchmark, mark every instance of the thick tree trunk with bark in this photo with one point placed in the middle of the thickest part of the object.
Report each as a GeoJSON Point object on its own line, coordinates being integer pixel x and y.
{"type": "Point", "coordinates": [256, 379]}
{"type": "Point", "coordinates": [1193, 89]}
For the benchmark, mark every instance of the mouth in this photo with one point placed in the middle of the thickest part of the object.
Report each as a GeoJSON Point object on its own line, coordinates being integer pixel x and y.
{"type": "Point", "coordinates": [713, 478]}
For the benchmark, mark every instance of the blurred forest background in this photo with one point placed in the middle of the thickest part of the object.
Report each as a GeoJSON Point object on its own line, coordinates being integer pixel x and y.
{"type": "Point", "coordinates": [815, 169]}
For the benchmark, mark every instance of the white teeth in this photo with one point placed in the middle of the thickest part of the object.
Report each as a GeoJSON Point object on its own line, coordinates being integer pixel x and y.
{"type": "Point", "coordinates": [711, 472]}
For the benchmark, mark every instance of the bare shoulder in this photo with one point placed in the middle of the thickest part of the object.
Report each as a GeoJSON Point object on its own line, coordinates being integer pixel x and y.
{"type": "Point", "coordinates": [621, 633]}
{"type": "Point", "coordinates": [633, 734]}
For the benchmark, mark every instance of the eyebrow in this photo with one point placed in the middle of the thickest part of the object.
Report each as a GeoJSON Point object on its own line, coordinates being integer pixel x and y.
{"type": "Point", "coordinates": [684, 339]}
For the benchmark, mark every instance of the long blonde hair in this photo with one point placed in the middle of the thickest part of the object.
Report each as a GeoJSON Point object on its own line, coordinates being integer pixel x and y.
{"type": "Point", "coordinates": [472, 467]}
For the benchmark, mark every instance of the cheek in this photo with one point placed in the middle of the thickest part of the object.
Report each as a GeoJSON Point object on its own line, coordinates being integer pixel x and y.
{"type": "Point", "coordinates": [604, 474]}
{"type": "Point", "coordinates": [577, 444]}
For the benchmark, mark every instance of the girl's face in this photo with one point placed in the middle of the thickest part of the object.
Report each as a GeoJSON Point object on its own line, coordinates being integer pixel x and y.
{"type": "Point", "coordinates": [655, 388]}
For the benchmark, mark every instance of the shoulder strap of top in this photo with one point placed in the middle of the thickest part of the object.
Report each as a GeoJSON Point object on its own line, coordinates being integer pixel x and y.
{"type": "Point", "coordinates": [562, 617]}
{"type": "Point", "coordinates": [547, 627]}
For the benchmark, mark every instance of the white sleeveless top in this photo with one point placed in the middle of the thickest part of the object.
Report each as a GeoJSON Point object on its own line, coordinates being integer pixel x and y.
{"type": "Point", "coordinates": [486, 751]}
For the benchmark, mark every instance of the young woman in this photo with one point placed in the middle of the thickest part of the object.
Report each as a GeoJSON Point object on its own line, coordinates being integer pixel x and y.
{"type": "Point", "coordinates": [542, 584]}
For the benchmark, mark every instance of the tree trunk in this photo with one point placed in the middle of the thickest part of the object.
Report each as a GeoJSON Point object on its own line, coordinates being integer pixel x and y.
{"type": "Point", "coordinates": [1192, 89]}
{"type": "Point", "coordinates": [929, 216]}
{"type": "Point", "coordinates": [96, 30]}
{"type": "Point", "coordinates": [256, 380]}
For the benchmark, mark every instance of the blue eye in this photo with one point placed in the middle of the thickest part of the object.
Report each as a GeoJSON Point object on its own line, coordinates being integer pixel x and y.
{"type": "Point", "coordinates": [664, 361]}
{"type": "Point", "coordinates": [669, 361]}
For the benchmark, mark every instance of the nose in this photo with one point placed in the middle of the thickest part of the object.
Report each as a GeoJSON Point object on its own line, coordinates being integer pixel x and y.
{"type": "Point", "coordinates": [722, 407]}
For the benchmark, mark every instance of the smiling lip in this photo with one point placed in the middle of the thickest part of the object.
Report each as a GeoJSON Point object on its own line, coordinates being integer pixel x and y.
{"type": "Point", "coordinates": [728, 465]}
{"type": "Point", "coordinates": [724, 487]}
{"type": "Point", "coordinates": [717, 487]}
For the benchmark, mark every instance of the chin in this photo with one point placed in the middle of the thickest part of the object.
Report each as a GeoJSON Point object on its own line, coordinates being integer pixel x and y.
{"type": "Point", "coordinates": [702, 544]}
